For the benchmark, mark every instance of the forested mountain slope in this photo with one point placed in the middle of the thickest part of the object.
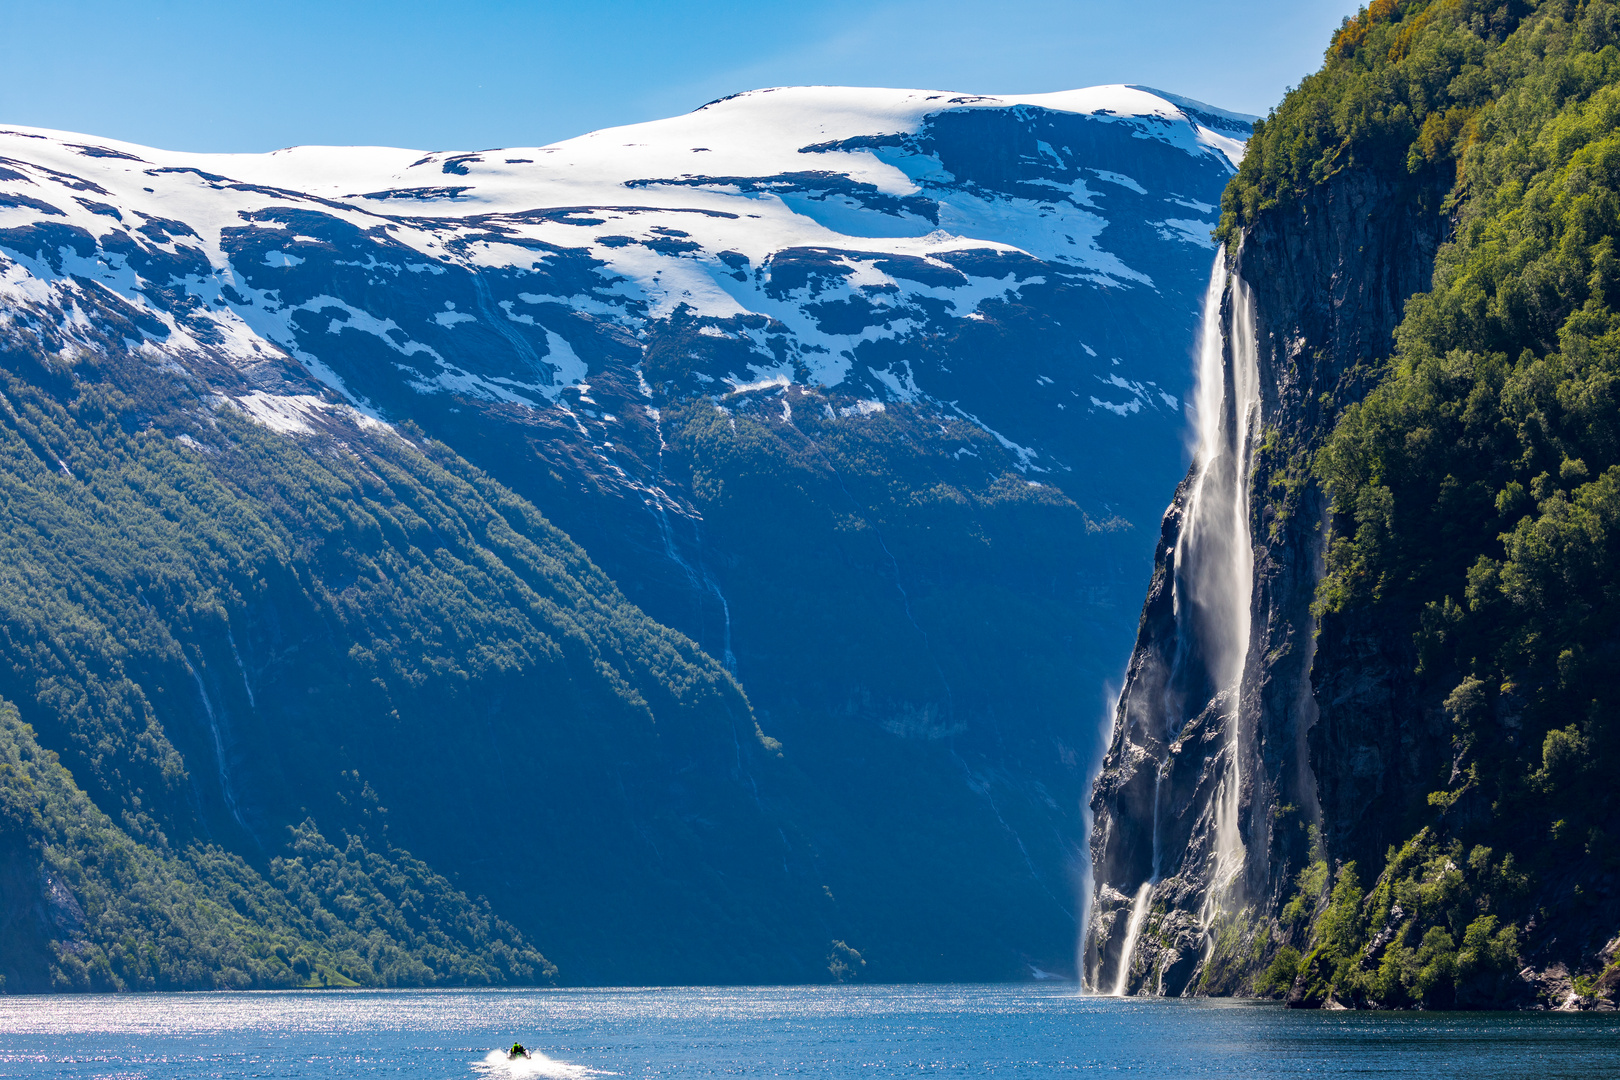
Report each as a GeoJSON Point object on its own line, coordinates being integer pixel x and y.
{"type": "Point", "coordinates": [232, 635]}
{"type": "Point", "coordinates": [1428, 228]}
{"type": "Point", "coordinates": [674, 551]}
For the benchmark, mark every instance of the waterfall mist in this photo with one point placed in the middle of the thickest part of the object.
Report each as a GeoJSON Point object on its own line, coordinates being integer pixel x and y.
{"type": "Point", "coordinates": [1194, 672]}
{"type": "Point", "coordinates": [1088, 878]}
{"type": "Point", "coordinates": [1215, 555]}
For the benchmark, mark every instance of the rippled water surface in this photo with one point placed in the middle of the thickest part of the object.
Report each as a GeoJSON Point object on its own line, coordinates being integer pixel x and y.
{"type": "Point", "coordinates": [908, 1031]}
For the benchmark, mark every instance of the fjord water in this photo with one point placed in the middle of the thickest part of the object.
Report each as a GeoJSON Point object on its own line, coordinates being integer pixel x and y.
{"type": "Point", "coordinates": [1012, 1031]}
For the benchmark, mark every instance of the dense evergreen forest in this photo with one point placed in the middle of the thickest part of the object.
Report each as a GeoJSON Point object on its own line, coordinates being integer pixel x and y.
{"type": "Point", "coordinates": [1475, 491]}
{"type": "Point", "coordinates": [162, 559]}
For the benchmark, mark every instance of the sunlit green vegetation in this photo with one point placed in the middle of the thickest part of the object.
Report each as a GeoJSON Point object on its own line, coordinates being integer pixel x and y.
{"type": "Point", "coordinates": [119, 915]}
{"type": "Point", "coordinates": [1476, 490]}
{"type": "Point", "coordinates": [1430, 933]}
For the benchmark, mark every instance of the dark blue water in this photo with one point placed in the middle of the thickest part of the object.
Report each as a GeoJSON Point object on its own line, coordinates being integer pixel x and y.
{"type": "Point", "coordinates": [879, 1032]}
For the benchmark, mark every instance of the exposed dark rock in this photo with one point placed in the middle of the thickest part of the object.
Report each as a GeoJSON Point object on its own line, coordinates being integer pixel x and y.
{"type": "Point", "coordinates": [1316, 737]}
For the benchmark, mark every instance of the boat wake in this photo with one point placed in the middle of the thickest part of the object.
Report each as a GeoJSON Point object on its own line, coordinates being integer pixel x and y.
{"type": "Point", "coordinates": [496, 1063]}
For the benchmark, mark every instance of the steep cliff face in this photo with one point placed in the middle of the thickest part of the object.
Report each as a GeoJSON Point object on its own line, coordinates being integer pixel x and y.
{"type": "Point", "coordinates": [1309, 304]}
{"type": "Point", "coordinates": [1400, 794]}
{"type": "Point", "coordinates": [1330, 287]}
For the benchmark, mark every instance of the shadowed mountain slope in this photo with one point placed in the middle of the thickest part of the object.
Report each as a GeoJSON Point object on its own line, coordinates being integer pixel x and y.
{"type": "Point", "coordinates": [707, 540]}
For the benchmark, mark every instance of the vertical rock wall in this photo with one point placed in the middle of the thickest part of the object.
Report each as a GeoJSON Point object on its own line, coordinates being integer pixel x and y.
{"type": "Point", "coordinates": [1322, 285]}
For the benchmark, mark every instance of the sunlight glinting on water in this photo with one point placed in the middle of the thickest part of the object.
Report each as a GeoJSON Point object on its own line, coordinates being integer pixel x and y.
{"type": "Point", "coordinates": [857, 1031]}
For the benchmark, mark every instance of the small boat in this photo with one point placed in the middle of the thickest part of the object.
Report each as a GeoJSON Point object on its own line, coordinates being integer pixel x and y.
{"type": "Point", "coordinates": [517, 1052]}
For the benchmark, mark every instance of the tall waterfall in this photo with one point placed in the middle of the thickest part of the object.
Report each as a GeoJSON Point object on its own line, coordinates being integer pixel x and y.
{"type": "Point", "coordinates": [1215, 553]}
{"type": "Point", "coordinates": [1196, 668]}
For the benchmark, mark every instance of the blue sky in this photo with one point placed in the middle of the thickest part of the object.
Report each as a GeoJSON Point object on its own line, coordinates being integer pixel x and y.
{"type": "Point", "coordinates": [233, 75]}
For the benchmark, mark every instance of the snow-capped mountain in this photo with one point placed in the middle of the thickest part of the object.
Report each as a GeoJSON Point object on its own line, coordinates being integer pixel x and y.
{"type": "Point", "coordinates": [811, 233]}
{"type": "Point", "coordinates": [875, 394]}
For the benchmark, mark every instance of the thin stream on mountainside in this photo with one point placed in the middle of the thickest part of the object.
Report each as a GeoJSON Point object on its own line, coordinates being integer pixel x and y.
{"type": "Point", "coordinates": [226, 789]}
{"type": "Point", "coordinates": [656, 498]}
